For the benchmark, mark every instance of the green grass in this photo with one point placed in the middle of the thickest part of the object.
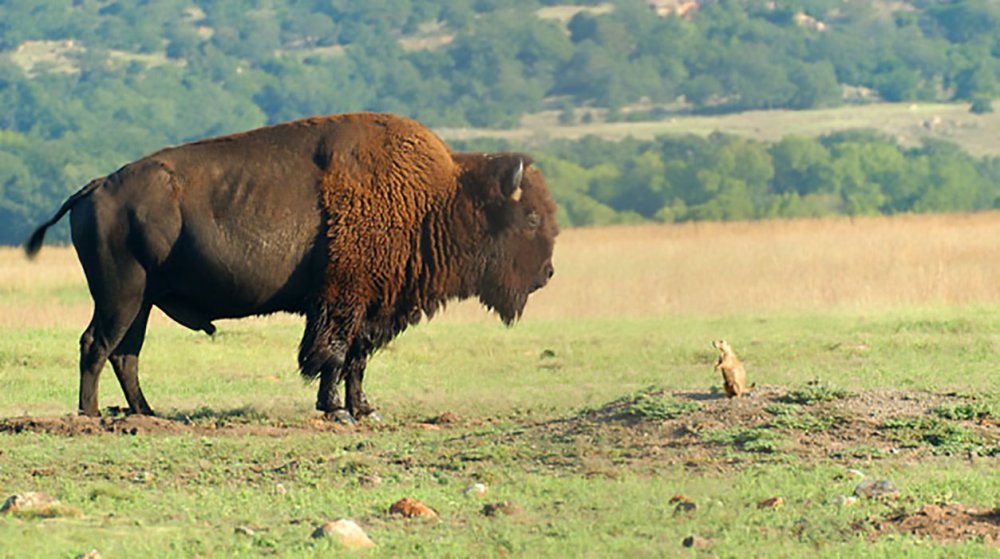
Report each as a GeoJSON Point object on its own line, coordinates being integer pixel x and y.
{"type": "Point", "coordinates": [649, 405]}
{"type": "Point", "coordinates": [946, 438]}
{"type": "Point", "coordinates": [756, 439]}
{"type": "Point", "coordinates": [185, 495]}
{"type": "Point", "coordinates": [971, 411]}
{"type": "Point", "coordinates": [813, 392]}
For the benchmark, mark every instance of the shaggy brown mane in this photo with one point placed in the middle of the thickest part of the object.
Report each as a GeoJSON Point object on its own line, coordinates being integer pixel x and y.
{"type": "Point", "coordinates": [388, 202]}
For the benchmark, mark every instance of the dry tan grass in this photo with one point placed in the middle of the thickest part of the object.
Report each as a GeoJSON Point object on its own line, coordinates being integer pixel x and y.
{"type": "Point", "coordinates": [709, 268]}
{"type": "Point", "coordinates": [696, 268]}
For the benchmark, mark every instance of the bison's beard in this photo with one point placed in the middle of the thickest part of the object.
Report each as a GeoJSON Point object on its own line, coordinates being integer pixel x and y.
{"type": "Point", "coordinates": [507, 303]}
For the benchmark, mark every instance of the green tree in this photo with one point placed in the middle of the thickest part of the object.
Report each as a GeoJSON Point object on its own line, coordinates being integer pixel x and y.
{"type": "Point", "coordinates": [978, 81]}
{"type": "Point", "coordinates": [800, 165]}
{"type": "Point", "coordinates": [815, 86]}
{"type": "Point", "coordinates": [894, 81]}
{"type": "Point", "coordinates": [967, 20]}
{"type": "Point", "coordinates": [858, 193]}
{"type": "Point", "coordinates": [953, 181]}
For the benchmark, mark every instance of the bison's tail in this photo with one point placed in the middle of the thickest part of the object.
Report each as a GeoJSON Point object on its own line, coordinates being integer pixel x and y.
{"type": "Point", "coordinates": [34, 243]}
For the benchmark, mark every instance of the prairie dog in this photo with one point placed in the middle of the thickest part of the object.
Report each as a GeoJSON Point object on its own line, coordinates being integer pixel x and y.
{"type": "Point", "coordinates": [734, 377]}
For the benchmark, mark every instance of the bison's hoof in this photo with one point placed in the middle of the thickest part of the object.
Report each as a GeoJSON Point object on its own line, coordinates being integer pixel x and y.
{"type": "Point", "coordinates": [372, 416]}
{"type": "Point", "coordinates": [341, 416]}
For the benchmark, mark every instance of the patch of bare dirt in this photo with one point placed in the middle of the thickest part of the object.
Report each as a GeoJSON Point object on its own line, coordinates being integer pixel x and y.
{"type": "Point", "coordinates": [942, 523]}
{"type": "Point", "coordinates": [75, 425]}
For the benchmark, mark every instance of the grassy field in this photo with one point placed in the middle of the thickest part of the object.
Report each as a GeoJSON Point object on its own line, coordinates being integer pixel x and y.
{"type": "Point", "coordinates": [908, 122]}
{"type": "Point", "coordinates": [873, 343]}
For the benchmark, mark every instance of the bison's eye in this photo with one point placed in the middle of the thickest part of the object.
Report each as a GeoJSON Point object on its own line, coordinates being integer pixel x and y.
{"type": "Point", "coordinates": [533, 220]}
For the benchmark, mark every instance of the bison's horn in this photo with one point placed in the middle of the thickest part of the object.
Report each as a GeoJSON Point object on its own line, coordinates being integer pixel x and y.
{"type": "Point", "coordinates": [515, 182]}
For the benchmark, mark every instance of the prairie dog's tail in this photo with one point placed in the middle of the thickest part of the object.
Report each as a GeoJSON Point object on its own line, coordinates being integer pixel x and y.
{"type": "Point", "coordinates": [34, 243]}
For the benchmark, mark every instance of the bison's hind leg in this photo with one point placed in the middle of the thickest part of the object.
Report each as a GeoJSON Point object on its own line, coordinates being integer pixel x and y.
{"type": "Point", "coordinates": [119, 313]}
{"type": "Point", "coordinates": [107, 329]}
{"type": "Point", "coordinates": [125, 361]}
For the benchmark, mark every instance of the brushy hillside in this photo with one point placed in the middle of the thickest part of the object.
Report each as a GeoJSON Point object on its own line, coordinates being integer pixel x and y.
{"type": "Point", "coordinates": [89, 86]}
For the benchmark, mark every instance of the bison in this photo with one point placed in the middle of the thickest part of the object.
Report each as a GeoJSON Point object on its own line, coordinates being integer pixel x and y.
{"type": "Point", "coordinates": [364, 223]}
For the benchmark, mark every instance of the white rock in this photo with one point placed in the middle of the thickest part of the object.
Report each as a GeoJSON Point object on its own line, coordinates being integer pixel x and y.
{"type": "Point", "coordinates": [476, 490]}
{"type": "Point", "coordinates": [347, 532]}
{"type": "Point", "coordinates": [845, 500]}
{"type": "Point", "coordinates": [877, 489]}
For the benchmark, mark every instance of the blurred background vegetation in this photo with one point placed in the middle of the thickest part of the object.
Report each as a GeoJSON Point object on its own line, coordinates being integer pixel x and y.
{"type": "Point", "coordinates": [88, 85]}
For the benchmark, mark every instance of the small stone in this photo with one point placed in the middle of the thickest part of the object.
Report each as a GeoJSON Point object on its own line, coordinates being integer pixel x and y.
{"type": "Point", "coordinates": [345, 531]}
{"type": "Point", "coordinates": [855, 474]}
{"type": "Point", "coordinates": [877, 489]}
{"type": "Point", "coordinates": [244, 531]}
{"type": "Point", "coordinates": [684, 507]}
{"type": "Point", "coordinates": [445, 418]}
{"type": "Point", "coordinates": [683, 504]}
{"type": "Point", "coordinates": [92, 554]}
{"type": "Point", "coordinates": [280, 489]}
{"type": "Point", "coordinates": [369, 480]}
{"type": "Point", "coordinates": [476, 490]}
{"type": "Point", "coordinates": [697, 542]}
{"type": "Point", "coordinates": [28, 501]}
{"type": "Point", "coordinates": [143, 477]}
{"type": "Point", "coordinates": [845, 500]}
{"type": "Point", "coordinates": [506, 508]}
{"type": "Point", "coordinates": [412, 508]}
{"type": "Point", "coordinates": [427, 426]}
{"type": "Point", "coordinates": [771, 503]}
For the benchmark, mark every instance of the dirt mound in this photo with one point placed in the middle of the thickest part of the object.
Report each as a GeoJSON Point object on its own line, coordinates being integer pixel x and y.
{"type": "Point", "coordinates": [943, 523]}
{"type": "Point", "coordinates": [813, 422]}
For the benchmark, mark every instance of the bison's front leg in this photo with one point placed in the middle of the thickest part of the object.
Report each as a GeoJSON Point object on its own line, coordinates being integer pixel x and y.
{"type": "Point", "coordinates": [328, 399]}
{"type": "Point", "coordinates": [322, 353]}
{"type": "Point", "coordinates": [354, 374]}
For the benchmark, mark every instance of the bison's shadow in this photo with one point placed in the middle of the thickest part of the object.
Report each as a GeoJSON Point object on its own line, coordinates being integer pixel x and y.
{"type": "Point", "coordinates": [203, 415]}
{"type": "Point", "coordinates": [700, 396]}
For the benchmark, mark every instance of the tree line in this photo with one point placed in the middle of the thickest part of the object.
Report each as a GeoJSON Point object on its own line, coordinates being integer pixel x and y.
{"type": "Point", "coordinates": [86, 85]}
{"type": "Point", "coordinates": [723, 177]}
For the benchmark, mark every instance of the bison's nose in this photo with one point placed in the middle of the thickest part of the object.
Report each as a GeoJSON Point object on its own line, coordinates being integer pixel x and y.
{"type": "Point", "coordinates": [547, 272]}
